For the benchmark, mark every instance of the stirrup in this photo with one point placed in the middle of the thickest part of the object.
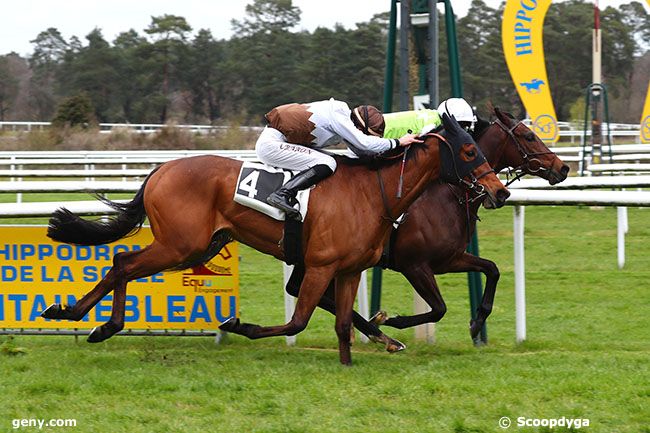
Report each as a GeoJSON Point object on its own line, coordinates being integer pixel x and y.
{"type": "Point", "coordinates": [278, 201]}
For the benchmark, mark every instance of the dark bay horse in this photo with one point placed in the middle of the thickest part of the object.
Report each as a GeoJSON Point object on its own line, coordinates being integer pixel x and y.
{"type": "Point", "coordinates": [189, 203]}
{"type": "Point", "coordinates": [434, 236]}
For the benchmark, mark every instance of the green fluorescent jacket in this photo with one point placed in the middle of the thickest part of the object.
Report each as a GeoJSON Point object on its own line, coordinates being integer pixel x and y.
{"type": "Point", "coordinates": [404, 122]}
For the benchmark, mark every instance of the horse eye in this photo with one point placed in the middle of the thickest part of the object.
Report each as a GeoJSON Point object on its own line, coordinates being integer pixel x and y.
{"type": "Point", "coordinates": [530, 136]}
{"type": "Point", "coordinates": [471, 154]}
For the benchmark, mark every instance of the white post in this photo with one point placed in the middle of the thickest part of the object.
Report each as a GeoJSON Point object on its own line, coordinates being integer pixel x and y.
{"type": "Point", "coordinates": [362, 299]}
{"type": "Point", "coordinates": [621, 229]}
{"type": "Point", "coordinates": [289, 302]}
{"type": "Point", "coordinates": [520, 274]}
{"type": "Point", "coordinates": [427, 331]}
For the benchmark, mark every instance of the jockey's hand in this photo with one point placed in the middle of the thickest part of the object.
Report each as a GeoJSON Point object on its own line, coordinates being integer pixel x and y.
{"type": "Point", "coordinates": [409, 139]}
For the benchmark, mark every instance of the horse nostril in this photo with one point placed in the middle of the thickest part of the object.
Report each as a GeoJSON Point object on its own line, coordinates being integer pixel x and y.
{"type": "Point", "coordinates": [564, 171]}
{"type": "Point", "coordinates": [502, 195]}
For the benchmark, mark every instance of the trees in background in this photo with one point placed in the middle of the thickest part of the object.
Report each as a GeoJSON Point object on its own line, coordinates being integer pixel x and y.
{"type": "Point", "coordinates": [166, 73]}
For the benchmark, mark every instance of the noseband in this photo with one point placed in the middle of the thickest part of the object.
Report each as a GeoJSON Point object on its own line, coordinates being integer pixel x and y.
{"type": "Point", "coordinates": [531, 164]}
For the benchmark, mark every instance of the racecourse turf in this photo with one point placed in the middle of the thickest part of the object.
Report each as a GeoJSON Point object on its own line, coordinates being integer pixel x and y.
{"type": "Point", "coordinates": [587, 355]}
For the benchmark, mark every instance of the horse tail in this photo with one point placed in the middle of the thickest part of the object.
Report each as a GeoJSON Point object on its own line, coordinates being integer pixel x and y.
{"type": "Point", "coordinates": [64, 226]}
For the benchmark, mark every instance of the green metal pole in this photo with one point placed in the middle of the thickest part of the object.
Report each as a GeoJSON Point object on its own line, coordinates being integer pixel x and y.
{"type": "Point", "coordinates": [584, 130]}
{"type": "Point", "coordinates": [473, 278]}
{"type": "Point", "coordinates": [389, 78]}
{"type": "Point", "coordinates": [452, 51]}
{"type": "Point", "coordinates": [609, 134]}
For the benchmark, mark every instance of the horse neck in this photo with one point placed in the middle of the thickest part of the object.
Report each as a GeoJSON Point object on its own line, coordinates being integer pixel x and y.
{"type": "Point", "coordinates": [418, 172]}
{"type": "Point", "coordinates": [492, 144]}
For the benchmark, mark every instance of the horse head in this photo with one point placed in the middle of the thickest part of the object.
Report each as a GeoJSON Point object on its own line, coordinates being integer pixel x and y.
{"type": "Point", "coordinates": [462, 162]}
{"type": "Point", "coordinates": [528, 154]}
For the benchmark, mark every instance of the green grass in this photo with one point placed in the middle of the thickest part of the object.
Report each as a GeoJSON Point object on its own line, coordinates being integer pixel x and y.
{"type": "Point", "coordinates": [586, 356]}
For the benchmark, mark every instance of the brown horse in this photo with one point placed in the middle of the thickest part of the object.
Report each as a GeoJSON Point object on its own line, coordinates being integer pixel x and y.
{"type": "Point", "coordinates": [433, 238]}
{"type": "Point", "coordinates": [192, 215]}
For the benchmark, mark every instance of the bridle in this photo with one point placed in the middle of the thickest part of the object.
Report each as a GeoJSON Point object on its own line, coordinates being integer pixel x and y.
{"type": "Point", "coordinates": [472, 186]}
{"type": "Point", "coordinates": [531, 164]}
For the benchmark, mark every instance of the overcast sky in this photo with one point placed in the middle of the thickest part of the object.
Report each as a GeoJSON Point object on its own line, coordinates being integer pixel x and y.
{"type": "Point", "coordinates": [23, 20]}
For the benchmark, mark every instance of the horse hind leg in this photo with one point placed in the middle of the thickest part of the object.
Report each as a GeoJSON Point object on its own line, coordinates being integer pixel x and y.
{"type": "Point", "coordinates": [130, 266]}
{"type": "Point", "coordinates": [116, 322]}
{"type": "Point", "coordinates": [77, 311]}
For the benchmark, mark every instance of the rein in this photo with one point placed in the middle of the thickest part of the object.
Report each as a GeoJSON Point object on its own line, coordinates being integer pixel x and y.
{"type": "Point", "coordinates": [384, 199]}
{"type": "Point", "coordinates": [518, 172]}
{"type": "Point", "coordinates": [471, 185]}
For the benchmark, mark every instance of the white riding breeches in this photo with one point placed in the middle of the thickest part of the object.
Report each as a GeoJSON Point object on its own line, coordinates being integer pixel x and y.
{"type": "Point", "coordinates": [272, 149]}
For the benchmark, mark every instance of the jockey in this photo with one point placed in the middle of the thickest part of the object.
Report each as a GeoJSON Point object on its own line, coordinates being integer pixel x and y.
{"type": "Point", "coordinates": [423, 121]}
{"type": "Point", "coordinates": [405, 122]}
{"type": "Point", "coordinates": [296, 132]}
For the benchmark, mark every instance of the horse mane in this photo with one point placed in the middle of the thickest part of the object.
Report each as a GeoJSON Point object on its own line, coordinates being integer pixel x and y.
{"type": "Point", "coordinates": [386, 159]}
{"type": "Point", "coordinates": [480, 127]}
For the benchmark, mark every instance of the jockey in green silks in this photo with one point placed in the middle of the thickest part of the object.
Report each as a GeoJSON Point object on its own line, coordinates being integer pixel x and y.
{"type": "Point", "coordinates": [412, 122]}
{"type": "Point", "coordinates": [422, 121]}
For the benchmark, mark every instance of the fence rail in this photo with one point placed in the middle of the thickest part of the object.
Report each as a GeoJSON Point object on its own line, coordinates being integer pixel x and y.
{"type": "Point", "coordinates": [566, 129]}
{"type": "Point", "coordinates": [525, 192]}
{"type": "Point", "coordinates": [141, 128]}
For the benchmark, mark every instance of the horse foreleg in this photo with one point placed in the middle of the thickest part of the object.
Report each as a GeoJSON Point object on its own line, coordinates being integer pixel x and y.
{"type": "Point", "coordinates": [327, 303]}
{"type": "Point", "coordinates": [311, 290]}
{"type": "Point", "coordinates": [470, 263]}
{"type": "Point", "coordinates": [345, 292]}
{"type": "Point", "coordinates": [424, 282]}
{"type": "Point", "coordinates": [492, 274]}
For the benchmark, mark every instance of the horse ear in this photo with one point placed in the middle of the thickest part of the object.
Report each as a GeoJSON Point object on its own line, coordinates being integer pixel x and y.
{"type": "Point", "coordinates": [450, 124]}
{"type": "Point", "coordinates": [503, 117]}
{"type": "Point", "coordinates": [489, 106]}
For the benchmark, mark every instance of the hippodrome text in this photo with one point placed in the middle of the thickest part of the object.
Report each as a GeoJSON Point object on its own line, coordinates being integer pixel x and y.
{"type": "Point", "coordinates": [523, 44]}
{"type": "Point", "coordinates": [35, 274]}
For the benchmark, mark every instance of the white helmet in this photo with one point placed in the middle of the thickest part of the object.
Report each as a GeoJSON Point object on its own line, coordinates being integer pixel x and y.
{"type": "Point", "coordinates": [459, 108]}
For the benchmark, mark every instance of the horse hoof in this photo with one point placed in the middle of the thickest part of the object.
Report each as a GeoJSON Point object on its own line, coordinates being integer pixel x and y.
{"type": "Point", "coordinates": [104, 332]}
{"type": "Point", "coordinates": [230, 325]}
{"type": "Point", "coordinates": [96, 335]}
{"type": "Point", "coordinates": [395, 346]}
{"type": "Point", "coordinates": [478, 342]}
{"type": "Point", "coordinates": [54, 311]}
{"type": "Point", "coordinates": [379, 318]}
{"type": "Point", "coordinates": [474, 329]}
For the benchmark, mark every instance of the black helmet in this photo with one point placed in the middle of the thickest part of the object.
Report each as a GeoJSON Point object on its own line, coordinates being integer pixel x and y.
{"type": "Point", "coordinates": [369, 120]}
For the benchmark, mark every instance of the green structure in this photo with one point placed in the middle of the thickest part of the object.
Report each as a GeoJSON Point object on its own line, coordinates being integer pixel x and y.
{"type": "Point", "coordinates": [426, 45]}
{"type": "Point", "coordinates": [594, 94]}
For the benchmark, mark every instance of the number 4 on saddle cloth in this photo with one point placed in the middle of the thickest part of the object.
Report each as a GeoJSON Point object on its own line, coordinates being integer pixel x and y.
{"type": "Point", "coordinates": [257, 181]}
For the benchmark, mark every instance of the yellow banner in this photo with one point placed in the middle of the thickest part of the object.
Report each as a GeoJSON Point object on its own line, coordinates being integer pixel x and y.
{"type": "Point", "coordinates": [524, 52]}
{"type": "Point", "coordinates": [36, 272]}
{"type": "Point", "coordinates": [645, 118]}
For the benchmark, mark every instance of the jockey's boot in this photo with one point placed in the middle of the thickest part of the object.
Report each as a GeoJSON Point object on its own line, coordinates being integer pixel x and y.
{"type": "Point", "coordinates": [285, 197]}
